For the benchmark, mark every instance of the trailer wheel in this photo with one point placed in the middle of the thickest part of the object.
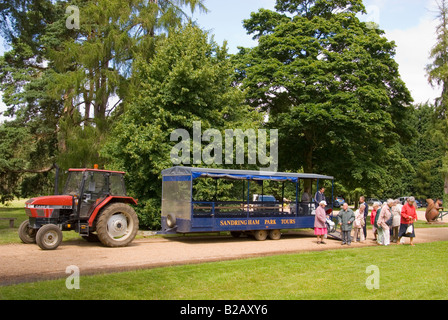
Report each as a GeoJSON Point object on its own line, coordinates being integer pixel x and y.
{"type": "Point", "coordinates": [260, 235]}
{"type": "Point", "coordinates": [117, 225]}
{"type": "Point", "coordinates": [26, 233]}
{"type": "Point", "coordinates": [275, 234]}
{"type": "Point", "coordinates": [49, 237]}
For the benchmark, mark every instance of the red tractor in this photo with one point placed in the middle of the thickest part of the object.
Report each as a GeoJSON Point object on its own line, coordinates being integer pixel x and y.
{"type": "Point", "coordinates": [94, 204]}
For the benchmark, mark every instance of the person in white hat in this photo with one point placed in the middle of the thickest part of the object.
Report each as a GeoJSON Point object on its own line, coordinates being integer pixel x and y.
{"type": "Point", "coordinates": [320, 228]}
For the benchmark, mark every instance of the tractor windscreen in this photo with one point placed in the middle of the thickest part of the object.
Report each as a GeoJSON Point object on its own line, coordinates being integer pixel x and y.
{"type": "Point", "coordinates": [73, 184]}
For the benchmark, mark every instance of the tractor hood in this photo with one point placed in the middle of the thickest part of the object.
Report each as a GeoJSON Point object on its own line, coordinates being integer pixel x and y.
{"type": "Point", "coordinates": [46, 207]}
{"type": "Point", "coordinates": [55, 202]}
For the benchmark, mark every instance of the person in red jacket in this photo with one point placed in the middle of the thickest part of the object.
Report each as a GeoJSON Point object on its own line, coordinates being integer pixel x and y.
{"type": "Point", "coordinates": [372, 219]}
{"type": "Point", "coordinates": [408, 216]}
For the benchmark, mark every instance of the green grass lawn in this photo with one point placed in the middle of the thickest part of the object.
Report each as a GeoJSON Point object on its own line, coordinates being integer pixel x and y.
{"type": "Point", "coordinates": [405, 272]}
{"type": "Point", "coordinates": [13, 210]}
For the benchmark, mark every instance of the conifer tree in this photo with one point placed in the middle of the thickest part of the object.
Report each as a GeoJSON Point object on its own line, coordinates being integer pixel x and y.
{"type": "Point", "coordinates": [190, 79]}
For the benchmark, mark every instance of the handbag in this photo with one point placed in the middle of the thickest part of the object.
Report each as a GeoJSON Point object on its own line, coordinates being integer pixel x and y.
{"type": "Point", "coordinates": [389, 221]}
{"type": "Point", "coordinates": [410, 229]}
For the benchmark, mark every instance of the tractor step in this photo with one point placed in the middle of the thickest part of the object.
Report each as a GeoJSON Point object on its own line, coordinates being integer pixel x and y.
{"type": "Point", "coordinates": [84, 229]}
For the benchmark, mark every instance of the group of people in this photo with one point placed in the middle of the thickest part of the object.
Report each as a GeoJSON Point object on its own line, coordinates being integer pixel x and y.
{"type": "Point", "coordinates": [391, 221]}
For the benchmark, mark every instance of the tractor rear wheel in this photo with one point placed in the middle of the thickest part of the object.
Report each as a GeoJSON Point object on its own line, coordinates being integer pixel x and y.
{"type": "Point", "coordinates": [117, 225]}
{"type": "Point", "coordinates": [49, 237]}
{"type": "Point", "coordinates": [26, 233]}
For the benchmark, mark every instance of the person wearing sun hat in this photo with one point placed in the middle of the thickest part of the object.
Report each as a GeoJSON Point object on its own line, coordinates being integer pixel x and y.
{"type": "Point", "coordinates": [320, 228]}
{"type": "Point", "coordinates": [408, 216]}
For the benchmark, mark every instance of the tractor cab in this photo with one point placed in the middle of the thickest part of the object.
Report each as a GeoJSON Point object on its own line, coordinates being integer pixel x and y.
{"type": "Point", "coordinates": [90, 187]}
{"type": "Point", "coordinates": [94, 204]}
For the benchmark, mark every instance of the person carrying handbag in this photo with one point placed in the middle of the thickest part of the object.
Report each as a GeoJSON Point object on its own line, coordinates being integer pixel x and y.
{"type": "Point", "coordinates": [408, 216]}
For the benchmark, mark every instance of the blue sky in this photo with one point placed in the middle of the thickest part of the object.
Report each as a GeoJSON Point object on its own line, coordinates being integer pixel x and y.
{"type": "Point", "coordinates": [225, 20]}
{"type": "Point", "coordinates": [410, 23]}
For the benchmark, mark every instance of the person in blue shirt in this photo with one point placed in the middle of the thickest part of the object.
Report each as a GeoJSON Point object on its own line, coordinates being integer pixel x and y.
{"type": "Point", "coordinates": [319, 196]}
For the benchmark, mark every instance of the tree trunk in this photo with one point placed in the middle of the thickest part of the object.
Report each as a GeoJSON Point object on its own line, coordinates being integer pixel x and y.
{"type": "Point", "coordinates": [308, 165]}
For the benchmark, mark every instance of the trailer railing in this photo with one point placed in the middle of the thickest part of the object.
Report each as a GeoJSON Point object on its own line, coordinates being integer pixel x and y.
{"type": "Point", "coordinates": [239, 209]}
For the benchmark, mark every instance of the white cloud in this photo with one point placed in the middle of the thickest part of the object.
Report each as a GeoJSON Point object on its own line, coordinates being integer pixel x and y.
{"type": "Point", "coordinates": [412, 54]}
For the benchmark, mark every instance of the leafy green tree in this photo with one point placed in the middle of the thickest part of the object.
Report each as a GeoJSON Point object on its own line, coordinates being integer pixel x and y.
{"type": "Point", "coordinates": [425, 155]}
{"type": "Point", "coordinates": [95, 65]}
{"type": "Point", "coordinates": [12, 158]}
{"type": "Point", "coordinates": [330, 84]}
{"type": "Point", "coordinates": [437, 72]}
{"type": "Point", "coordinates": [189, 79]}
{"type": "Point", "coordinates": [24, 77]}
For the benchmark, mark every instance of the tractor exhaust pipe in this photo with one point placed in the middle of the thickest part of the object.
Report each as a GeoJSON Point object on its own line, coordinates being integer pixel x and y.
{"type": "Point", "coordinates": [56, 180]}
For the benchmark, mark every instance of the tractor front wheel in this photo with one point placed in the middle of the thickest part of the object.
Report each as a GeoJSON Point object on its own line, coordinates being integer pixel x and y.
{"type": "Point", "coordinates": [26, 233]}
{"type": "Point", "coordinates": [49, 237]}
{"type": "Point", "coordinates": [117, 225]}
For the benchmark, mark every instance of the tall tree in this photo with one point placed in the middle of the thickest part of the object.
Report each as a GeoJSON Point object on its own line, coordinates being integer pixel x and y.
{"type": "Point", "coordinates": [189, 79]}
{"type": "Point", "coordinates": [331, 86]}
{"type": "Point", "coordinates": [24, 77]}
{"type": "Point", "coordinates": [94, 68]}
{"type": "Point", "coordinates": [425, 154]}
{"type": "Point", "coordinates": [437, 72]}
{"type": "Point", "coordinates": [64, 85]}
{"type": "Point", "coordinates": [79, 75]}
{"type": "Point", "coordinates": [95, 65]}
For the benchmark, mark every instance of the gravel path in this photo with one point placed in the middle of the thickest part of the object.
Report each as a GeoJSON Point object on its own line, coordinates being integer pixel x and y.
{"type": "Point", "coordinates": [25, 262]}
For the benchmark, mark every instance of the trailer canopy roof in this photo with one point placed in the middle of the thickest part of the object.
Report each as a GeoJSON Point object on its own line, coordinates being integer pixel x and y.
{"type": "Point", "coordinates": [238, 174]}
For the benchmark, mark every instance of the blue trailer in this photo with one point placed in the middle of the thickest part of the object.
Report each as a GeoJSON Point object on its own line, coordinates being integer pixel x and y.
{"type": "Point", "coordinates": [242, 207]}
